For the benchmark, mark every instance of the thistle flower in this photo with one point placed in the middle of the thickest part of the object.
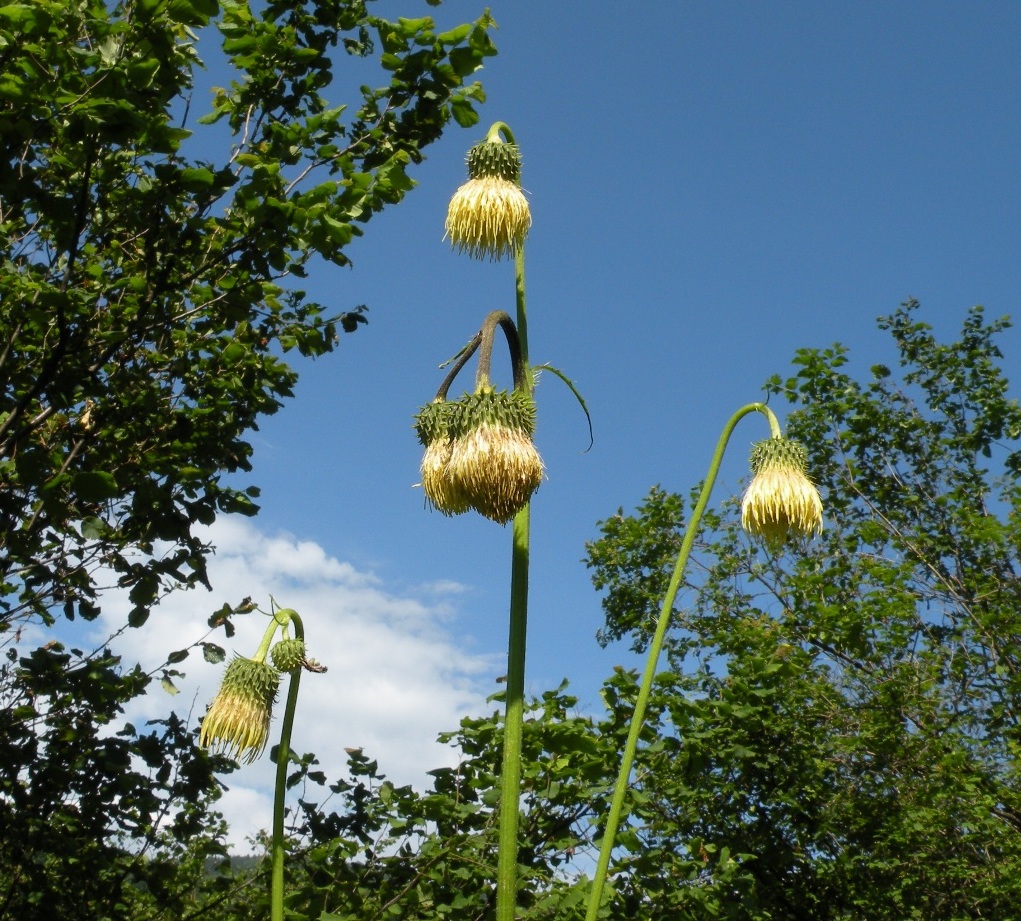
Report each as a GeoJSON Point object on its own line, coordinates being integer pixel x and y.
{"type": "Point", "coordinates": [433, 427]}
{"type": "Point", "coordinates": [498, 467]}
{"type": "Point", "coordinates": [781, 499]}
{"type": "Point", "coordinates": [493, 463]}
{"type": "Point", "coordinates": [489, 215]}
{"type": "Point", "coordinates": [237, 722]}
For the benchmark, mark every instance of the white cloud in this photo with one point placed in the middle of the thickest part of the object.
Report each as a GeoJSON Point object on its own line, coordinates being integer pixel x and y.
{"type": "Point", "coordinates": [397, 676]}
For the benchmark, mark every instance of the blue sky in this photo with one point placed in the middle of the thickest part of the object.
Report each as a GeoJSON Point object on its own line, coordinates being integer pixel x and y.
{"type": "Point", "coordinates": [713, 185]}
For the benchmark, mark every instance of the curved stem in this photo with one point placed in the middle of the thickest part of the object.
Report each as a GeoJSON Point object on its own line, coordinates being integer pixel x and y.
{"type": "Point", "coordinates": [501, 319]}
{"type": "Point", "coordinates": [459, 362]}
{"type": "Point", "coordinates": [283, 759]}
{"type": "Point", "coordinates": [497, 129]}
{"type": "Point", "coordinates": [510, 775]}
{"type": "Point", "coordinates": [267, 637]}
{"type": "Point", "coordinates": [631, 746]}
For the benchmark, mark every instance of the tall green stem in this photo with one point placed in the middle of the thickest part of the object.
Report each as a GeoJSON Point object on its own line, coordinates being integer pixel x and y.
{"type": "Point", "coordinates": [656, 645]}
{"type": "Point", "coordinates": [510, 776]}
{"type": "Point", "coordinates": [283, 759]}
{"type": "Point", "coordinates": [522, 313]}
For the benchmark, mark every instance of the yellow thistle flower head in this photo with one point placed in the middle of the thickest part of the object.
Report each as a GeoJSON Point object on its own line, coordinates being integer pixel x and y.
{"type": "Point", "coordinates": [488, 216]}
{"type": "Point", "coordinates": [493, 462]}
{"type": "Point", "coordinates": [237, 722]}
{"type": "Point", "coordinates": [780, 500]}
{"type": "Point", "coordinates": [433, 427]}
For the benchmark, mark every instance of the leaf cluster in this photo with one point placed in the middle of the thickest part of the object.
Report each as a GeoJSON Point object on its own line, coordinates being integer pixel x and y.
{"type": "Point", "coordinates": [144, 310]}
{"type": "Point", "coordinates": [153, 244]}
{"type": "Point", "coordinates": [841, 721]}
{"type": "Point", "coordinates": [110, 808]}
{"type": "Point", "coordinates": [364, 848]}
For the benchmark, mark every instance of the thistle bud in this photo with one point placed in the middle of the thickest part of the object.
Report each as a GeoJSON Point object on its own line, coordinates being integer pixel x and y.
{"type": "Point", "coordinates": [781, 499]}
{"type": "Point", "coordinates": [288, 654]}
{"type": "Point", "coordinates": [493, 462]}
{"type": "Point", "coordinates": [488, 216]}
{"type": "Point", "coordinates": [237, 722]}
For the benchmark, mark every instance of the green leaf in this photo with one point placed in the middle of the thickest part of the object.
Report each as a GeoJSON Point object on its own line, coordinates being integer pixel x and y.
{"type": "Point", "coordinates": [465, 61]}
{"type": "Point", "coordinates": [577, 395]}
{"type": "Point", "coordinates": [95, 485]}
{"type": "Point", "coordinates": [196, 179]}
{"type": "Point", "coordinates": [411, 27]}
{"type": "Point", "coordinates": [457, 35]}
{"type": "Point", "coordinates": [93, 528]}
{"type": "Point", "coordinates": [464, 113]}
{"type": "Point", "coordinates": [212, 653]}
{"type": "Point", "coordinates": [192, 12]}
{"type": "Point", "coordinates": [23, 17]}
{"type": "Point", "coordinates": [339, 232]}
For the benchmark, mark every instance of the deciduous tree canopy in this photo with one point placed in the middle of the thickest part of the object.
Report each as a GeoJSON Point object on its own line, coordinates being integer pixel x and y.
{"type": "Point", "coordinates": [834, 734]}
{"type": "Point", "coordinates": [153, 238]}
{"type": "Point", "coordinates": [839, 728]}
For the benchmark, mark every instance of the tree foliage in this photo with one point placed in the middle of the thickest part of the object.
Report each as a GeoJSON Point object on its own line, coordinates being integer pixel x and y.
{"type": "Point", "coordinates": [842, 721]}
{"type": "Point", "coordinates": [834, 734]}
{"type": "Point", "coordinates": [145, 306]}
{"type": "Point", "coordinates": [150, 286]}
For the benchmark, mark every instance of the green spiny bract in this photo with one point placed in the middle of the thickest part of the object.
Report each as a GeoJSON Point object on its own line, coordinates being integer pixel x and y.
{"type": "Point", "coordinates": [513, 409]}
{"type": "Point", "coordinates": [432, 422]}
{"type": "Point", "coordinates": [781, 452]}
{"type": "Point", "coordinates": [497, 159]}
{"type": "Point", "coordinates": [288, 654]}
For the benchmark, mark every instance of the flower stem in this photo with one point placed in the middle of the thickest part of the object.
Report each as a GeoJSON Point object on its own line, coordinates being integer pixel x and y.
{"type": "Point", "coordinates": [459, 361]}
{"type": "Point", "coordinates": [267, 638]}
{"type": "Point", "coordinates": [655, 646]}
{"type": "Point", "coordinates": [482, 377]}
{"type": "Point", "coordinates": [283, 760]}
{"type": "Point", "coordinates": [522, 313]}
{"type": "Point", "coordinates": [510, 775]}
{"type": "Point", "coordinates": [493, 135]}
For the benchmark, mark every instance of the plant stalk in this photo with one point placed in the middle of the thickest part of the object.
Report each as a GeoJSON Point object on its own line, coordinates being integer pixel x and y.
{"type": "Point", "coordinates": [655, 646]}
{"type": "Point", "coordinates": [283, 760]}
{"type": "Point", "coordinates": [510, 775]}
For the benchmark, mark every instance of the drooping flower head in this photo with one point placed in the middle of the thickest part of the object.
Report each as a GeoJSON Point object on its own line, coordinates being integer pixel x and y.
{"type": "Point", "coordinates": [237, 722]}
{"type": "Point", "coordinates": [780, 500]}
{"type": "Point", "coordinates": [432, 424]}
{"type": "Point", "coordinates": [488, 216]}
{"type": "Point", "coordinates": [493, 461]}
{"type": "Point", "coordinates": [478, 449]}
